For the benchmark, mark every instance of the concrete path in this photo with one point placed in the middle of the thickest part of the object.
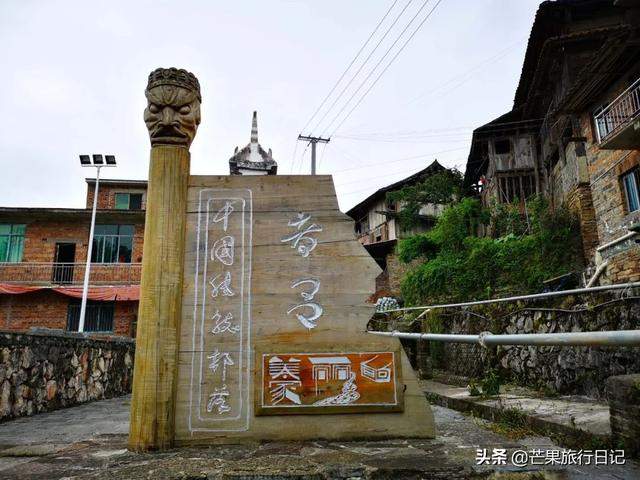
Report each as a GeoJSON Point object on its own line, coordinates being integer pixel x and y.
{"type": "Point", "coordinates": [69, 425]}
{"type": "Point", "coordinates": [89, 442]}
{"type": "Point", "coordinates": [574, 417]}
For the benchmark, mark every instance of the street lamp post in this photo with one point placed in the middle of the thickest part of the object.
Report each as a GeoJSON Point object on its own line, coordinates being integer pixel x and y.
{"type": "Point", "coordinates": [96, 161]}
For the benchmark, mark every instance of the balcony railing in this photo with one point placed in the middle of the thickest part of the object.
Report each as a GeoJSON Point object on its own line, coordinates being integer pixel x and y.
{"type": "Point", "coordinates": [375, 235]}
{"type": "Point", "coordinates": [70, 273]}
{"type": "Point", "coordinates": [618, 113]}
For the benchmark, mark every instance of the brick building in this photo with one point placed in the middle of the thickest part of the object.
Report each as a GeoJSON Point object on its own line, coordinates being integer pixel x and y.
{"type": "Point", "coordinates": [43, 254]}
{"type": "Point", "coordinates": [573, 134]}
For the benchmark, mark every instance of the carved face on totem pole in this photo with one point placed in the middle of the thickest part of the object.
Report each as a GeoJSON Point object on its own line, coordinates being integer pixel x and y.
{"type": "Point", "coordinates": [172, 115]}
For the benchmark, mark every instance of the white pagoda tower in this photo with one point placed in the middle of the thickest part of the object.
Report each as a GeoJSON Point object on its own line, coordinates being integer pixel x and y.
{"type": "Point", "coordinates": [252, 159]}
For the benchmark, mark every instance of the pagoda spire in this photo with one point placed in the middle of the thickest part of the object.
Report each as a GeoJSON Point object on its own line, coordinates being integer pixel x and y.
{"type": "Point", "coordinates": [252, 159]}
{"type": "Point", "coordinates": [254, 128]}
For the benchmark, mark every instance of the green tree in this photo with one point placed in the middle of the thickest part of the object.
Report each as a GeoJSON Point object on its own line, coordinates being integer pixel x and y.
{"type": "Point", "coordinates": [443, 187]}
{"type": "Point", "coordinates": [534, 244]}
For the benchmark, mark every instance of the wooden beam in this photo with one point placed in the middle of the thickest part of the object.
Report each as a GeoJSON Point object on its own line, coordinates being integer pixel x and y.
{"type": "Point", "coordinates": [152, 404]}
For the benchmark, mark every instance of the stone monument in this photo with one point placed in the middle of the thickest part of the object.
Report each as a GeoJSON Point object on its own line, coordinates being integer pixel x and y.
{"type": "Point", "coordinates": [253, 306]}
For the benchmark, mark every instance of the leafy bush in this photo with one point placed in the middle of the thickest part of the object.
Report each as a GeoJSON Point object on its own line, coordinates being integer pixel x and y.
{"type": "Point", "coordinates": [473, 389]}
{"type": "Point", "coordinates": [442, 188]}
{"type": "Point", "coordinates": [417, 246]}
{"type": "Point", "coordinates": [454, 226]}
{"type": "Point", "coordinates": [531, 247]}
{"type": "Point", "coordinates": [490, 383]}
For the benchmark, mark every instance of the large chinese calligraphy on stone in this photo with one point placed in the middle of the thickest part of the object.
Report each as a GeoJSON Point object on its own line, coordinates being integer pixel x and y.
{"type": "Point", "coordinates": [291, 331]}
{"type": "Point", "coordinates": [294, 383]}
{"type": "Point", "coordinates": [221, 312]}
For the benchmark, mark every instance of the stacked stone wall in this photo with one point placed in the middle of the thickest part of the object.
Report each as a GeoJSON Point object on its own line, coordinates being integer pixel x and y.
{"type": "Point", "coordinates": [396, 271]}
{"type": "Point", "coordinates": [47, 370]}
{"type": "Point", "coordinates": [563, 370]}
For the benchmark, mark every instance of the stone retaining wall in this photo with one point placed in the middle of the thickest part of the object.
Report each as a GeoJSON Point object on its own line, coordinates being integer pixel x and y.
{"type": "Point", "coordinates": [624, 404]}
{"type": "Point", "coordinates": [49, 369]}
{"type": "Point", "coordinates": [563, 370]}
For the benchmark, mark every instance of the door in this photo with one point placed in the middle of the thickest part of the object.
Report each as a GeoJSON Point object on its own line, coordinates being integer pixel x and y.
{"type": "Point", "coordinates": [64, 261]}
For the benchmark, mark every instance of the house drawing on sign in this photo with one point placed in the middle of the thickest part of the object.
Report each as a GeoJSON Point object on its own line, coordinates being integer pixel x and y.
{"type": "Point", "coordinates": [326, 369]}
{"type": "Point", "coordinates": [376, 374]}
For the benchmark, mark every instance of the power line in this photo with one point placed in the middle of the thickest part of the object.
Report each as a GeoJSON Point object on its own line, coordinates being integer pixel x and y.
{"type": "Point", "coordinates": [301, 161]}
{"type": "Point", "coordinates": [351, 192]}
{"type": "Point", "coordinates": [457, 139]}
{"type": "Point", "coordinates": [383, 176]}
{"type": "Point", "coordinates": [424, 4]}
{"type": "Point", "coordinates": [465, 76]}
{"type": "Point", "coordinates": [362, 65]}
{"type": "Point", "coordinates": [386, 174]}
{"type": "Point", "coordinates": [350, 65]}
{"type": "Point", "coordinates": [407, 132]}
{"type": "Point", "coordinates": [398, 159]}
{"type": "Point", "coordinates": [324, 149]}
{"type": "Point", "coordinates": [501, 54]}
{"type": "Point", "coordinates": [388, 65]}
{"type": "Point", "coordinates": [293, 157]}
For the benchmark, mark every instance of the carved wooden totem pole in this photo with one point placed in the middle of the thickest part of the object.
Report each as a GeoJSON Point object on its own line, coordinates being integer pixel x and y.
{"type": "Point", "coordinates": [252, 314]}
{"type": "Point", "coordinates": [172, 117]}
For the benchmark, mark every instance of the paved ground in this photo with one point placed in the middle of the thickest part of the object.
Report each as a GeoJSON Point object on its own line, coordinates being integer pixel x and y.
{"type": "Point", "coordinates": [569, 415]}
{"type": "Point", "coordinates": [89, 442]}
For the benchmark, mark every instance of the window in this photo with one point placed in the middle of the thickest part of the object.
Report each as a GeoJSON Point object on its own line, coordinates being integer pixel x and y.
{"type": "Point", "coordinates": [128, 201]}
{"type": "Point", "coordinates": [98, 317]}
{"type": "Point", "coordinates": [516, 186]}
{"type": "Point", "coordinates": [391, 205]}
{"type": "Point", "coordinates": [11, 242]}
{"type": "Point", "coordinates": [112, 244]}
{"type": "Point", "coordinates": [502, 146]}
{"type": "Point", "coordinates": [630, 183]}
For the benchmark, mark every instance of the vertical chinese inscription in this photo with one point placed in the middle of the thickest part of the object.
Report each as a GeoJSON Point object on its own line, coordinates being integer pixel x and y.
{"type": "Point", "coordinates": [304, 241]}
{"type": "Point", "coordinates": [219, 398]}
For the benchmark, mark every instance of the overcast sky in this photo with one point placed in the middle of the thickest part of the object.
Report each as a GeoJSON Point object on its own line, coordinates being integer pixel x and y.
{"type": "Point", "coordinates": [74, 73]}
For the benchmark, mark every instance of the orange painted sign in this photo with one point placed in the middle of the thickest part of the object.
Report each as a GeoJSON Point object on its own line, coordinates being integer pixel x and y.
{"type": "Point", "coordinates": [297, 383]}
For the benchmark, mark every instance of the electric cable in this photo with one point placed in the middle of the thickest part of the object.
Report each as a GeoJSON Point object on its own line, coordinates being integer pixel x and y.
{"type": "Point", "coordinates": [350, 65]}
{"type": "Point", "coordinates": [389, 64]}
{"type": "Point", "coordinates": [362, 65]}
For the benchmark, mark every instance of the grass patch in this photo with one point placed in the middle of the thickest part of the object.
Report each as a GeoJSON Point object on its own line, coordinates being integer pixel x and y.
{"type": "Point", "coordinates": [512, 423]}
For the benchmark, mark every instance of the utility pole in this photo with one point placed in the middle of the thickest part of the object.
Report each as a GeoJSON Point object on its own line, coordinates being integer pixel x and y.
{"type": "Point", "coordinates": [313, 141]}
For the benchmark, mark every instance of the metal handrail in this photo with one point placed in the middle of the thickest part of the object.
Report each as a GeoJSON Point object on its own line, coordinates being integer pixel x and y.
{"type": "Point", "coordinates": [617, 338]}
{"type": "Point", "coordinates": [532, 296]}
{"type": "Point", "coordinates": [69, 273]}
{"type": "Point", "coordinates": [619, 112]}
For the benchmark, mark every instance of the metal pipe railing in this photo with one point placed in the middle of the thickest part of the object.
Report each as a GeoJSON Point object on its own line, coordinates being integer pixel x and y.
{"type": "Point", "coordinates": [621, 239]}
{"type": "Point", "coordinates": [623, 108]}
{"type": "Point", "coordinates": [620, 338]}
{"type": "Point", "coordinates": [617, 286]}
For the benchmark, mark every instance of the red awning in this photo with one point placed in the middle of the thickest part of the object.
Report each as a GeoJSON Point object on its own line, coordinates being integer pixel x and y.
{"type": "Point", "coordinates": [124, 293]}
{"type": "Point", "coordinates": [11, 289]}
